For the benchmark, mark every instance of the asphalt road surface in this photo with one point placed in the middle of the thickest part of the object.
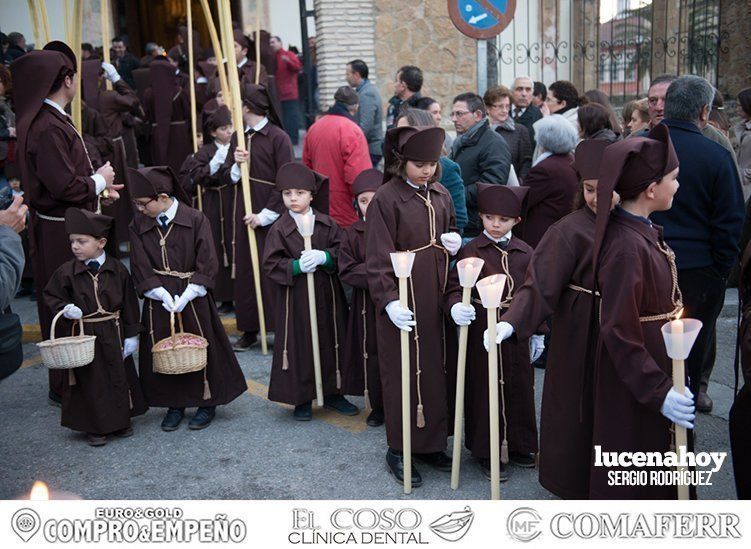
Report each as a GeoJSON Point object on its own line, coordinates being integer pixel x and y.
{"type": "Point", "coordinates": [255, 450]}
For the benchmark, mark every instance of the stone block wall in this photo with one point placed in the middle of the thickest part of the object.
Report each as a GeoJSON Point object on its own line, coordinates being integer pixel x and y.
{"type": "Point", "coordinates": [419, 32]}
{"type": "Point", "coordinates": [344, 31]}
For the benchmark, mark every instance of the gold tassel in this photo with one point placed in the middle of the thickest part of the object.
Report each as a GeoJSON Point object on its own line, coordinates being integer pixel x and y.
{"type": "Point", "coordinates": [504, 451]}
{"type": "Point", "coordinates": [130, 399]}
{"type": "Point", "coordinates": [71, 377]}
{"type": "Point", "coordinates": [367, 400]}
{"type": "Point", "coordinates": [338, 379]}
{"type": "Point", "coordinates": [226, 259]}
{"type": "Point", "coordinates": [420, 417]}
{"type": "Point", "coordinates": [206, 388]}
{"type": "Point", "coordinates": [232, 276]}
{"type": "Point", "coordinates": [285, 362]}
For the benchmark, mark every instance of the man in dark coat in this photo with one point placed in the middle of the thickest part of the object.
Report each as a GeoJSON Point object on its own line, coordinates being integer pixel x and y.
{"type": "Point", "coordinates": [523, 111]}
{"type": "Point", "coordinates": [481, 153]}
{"type": "Point", "coordinates": [705, 222]}
{"type": "Point", "coordinates": [55, 167]}
{"type": "Point", "coordinates": [124, 61]}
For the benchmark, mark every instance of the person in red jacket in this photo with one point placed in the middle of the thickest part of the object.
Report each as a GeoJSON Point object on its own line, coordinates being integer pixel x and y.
{"type": "Point", "coordinates": [288, 65]}
{"type": "Point", "coordinates": [336, 147]}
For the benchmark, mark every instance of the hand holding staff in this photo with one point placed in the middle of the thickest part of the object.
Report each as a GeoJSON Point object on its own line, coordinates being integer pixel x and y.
{"type": "Point", "coordinates": [225, 19]}
{"type": "Point", "coordinates": [468, 269]}
{"type": "Point", "coordinates": [402, 263]}
{"type": "Point", "coordinates": [679, 336]}
{"type": "Point", "coordinates": [490, 289]}
{"type": "Point", "coordinates": [305, 226]}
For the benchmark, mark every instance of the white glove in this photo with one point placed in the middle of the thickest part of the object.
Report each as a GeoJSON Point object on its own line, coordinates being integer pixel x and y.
{"type": "Point", "coordinates": [219, 157]}
{"type": "Point", "coordinates": [462, 314]}
{"type": "Point", "coordinates": [503, 330]}
{"type": "Point", "coordinates": [110, 72]}
{"type": "Point", "coordinates": [452, 242]}
{"type": "Point", "coordinates": [160, 294]}
{"type": "Point", "coordinates": [310, 259]}
{"type": "Point", "coordinates": [536, 347]}
{"type": "Point", "coordinates": [401, 317]}
{"type": "Point", "coordinates": [191, 292]}
{"type": "Point", "coordinates": [129, 345]}
{"type": "Point", "coordinates": [72, 312]}
{"type": "Point", "coordinates": [679, 408]}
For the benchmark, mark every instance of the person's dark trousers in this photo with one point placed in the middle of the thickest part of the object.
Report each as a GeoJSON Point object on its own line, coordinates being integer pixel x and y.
{"type": "Point", "coordinates": [291, 119]}
{"type": "Point", "coordinates": [703, 293]}
{"type": "Point", "coordinates": [375, 159]}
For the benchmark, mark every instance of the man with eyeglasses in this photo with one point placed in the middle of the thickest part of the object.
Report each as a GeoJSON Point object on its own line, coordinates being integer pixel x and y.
{"type": "Point", "coordinates": [481, 153]}
{"type": "Point", "coordinates": [523, 111]}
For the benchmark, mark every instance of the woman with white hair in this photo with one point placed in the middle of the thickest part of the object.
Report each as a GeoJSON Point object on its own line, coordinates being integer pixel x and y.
{"type": "Point", "coordinates": [552, 181]}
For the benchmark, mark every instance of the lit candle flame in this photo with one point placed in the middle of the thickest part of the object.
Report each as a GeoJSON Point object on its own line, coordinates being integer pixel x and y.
{"type": "Point", "coordinates": [39, 492]}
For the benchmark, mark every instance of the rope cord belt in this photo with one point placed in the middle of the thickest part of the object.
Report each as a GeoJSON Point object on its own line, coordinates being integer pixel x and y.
{"type": "Point", "coordinates": [675, 295]}
{"type": "Point", "coordinates": [431, 244]}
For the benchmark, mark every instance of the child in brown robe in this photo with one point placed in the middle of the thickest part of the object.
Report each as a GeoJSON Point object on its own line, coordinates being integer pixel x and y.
{"type": "Point", "coordinates": [361, 345]}
{"type": "Point", "coordinates": [286, 263]}
{"type": "Point", "coordinates": [174, 266]}
{"type": "Point", "coordinates": [99, 398]}
{"type": "Point", "coordinates": [635, 402]}
{"type": "Point", "coordinates": [413, 212]}
{"type": "Point", "coordinates": [218, 199]}
{"type": "Point", "coordinates": [558, 286]}
{"type": "Point", "coordinates": [500, 209]}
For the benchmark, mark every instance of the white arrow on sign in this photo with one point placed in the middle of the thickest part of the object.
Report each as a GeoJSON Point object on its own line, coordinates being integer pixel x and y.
{"type": "Point", "coordinates": [476, 18]}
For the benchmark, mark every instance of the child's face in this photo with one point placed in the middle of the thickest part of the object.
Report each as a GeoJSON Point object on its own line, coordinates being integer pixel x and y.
{"type": "Point", "coordinates": [297, 200]}
{"type": "Point", "coordinates": [85, 247]}
{"type": "Point", "coordinates": [497, 225]}
{"type": "Point", "coordinates": [420, 173]}
{"type": "Point", "coordinates": [663, 191]}
{"type": "Point", "coordinates": [590, 195]}
{"type": "Point", "coordinates": [363, 200]}
{"type": "Point", "coordinates": [153, 206]}
{"type": "Point", "coordinates": [222, 134]}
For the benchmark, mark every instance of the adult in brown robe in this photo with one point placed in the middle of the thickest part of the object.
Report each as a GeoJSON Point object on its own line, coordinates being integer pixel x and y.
{"type": "Point", "coordinates": [269, 148]}
{"type": "Point", "coordinates": [167, 107]}
{"type": "Point", "coordinates": [101, 397]}
{"type": "Point", "coordinates": [636, 275]}
{"type": "Point", "coordinates": [559, 284]}
{"type": "Point", "coordinates": [400, 219]}
{"type": "Point", "coordinates": [56, 172]}
{"type": "Point", "coordinates": [187, 258]}
{"type": "Point", "coordinates": [218, 202]}
{"type": "Point", "coordinates": [292, 372]}
{"type": "Point", "coordinates": [517, 405]}
{"type": "Point", "coordinates": [361, 343]}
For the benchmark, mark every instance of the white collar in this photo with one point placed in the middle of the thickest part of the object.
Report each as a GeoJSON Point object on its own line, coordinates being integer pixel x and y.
{"type": "Point", "coordinates": [504, 239]}
{"type": "Point", "coordinates": [242, 63]}
{"type": "Point", "coordinates": [101, 259]}
{"type": "Point", "coordinates": [55, 106]}
{"type": "Point", "coordinates": [258, 127]}
{"type": "Point", "coordinates": [416, 186]}
{"type": "Point", "coordinates": [542, 157]}
{"type": "Point", "coordinates": [169, 212]}
{"type": "Point", "coordinates": [298, 215]}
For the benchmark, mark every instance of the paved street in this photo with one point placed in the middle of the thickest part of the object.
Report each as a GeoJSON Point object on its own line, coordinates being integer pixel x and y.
{"type": "Point", "coordinates": [254, 450]}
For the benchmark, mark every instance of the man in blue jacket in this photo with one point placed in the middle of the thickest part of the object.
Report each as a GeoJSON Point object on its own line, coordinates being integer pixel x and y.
{"type": "Point", "coordinates": [704, 225]}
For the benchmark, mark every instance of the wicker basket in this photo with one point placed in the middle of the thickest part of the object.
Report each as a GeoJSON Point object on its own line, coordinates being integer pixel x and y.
{"type": "Point", "coordinates": [67, 352]}
{"type": "Point", "coordinates": [173, 355]}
